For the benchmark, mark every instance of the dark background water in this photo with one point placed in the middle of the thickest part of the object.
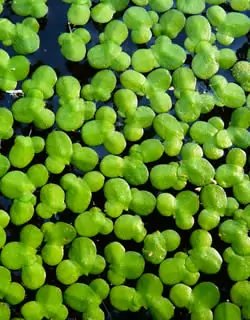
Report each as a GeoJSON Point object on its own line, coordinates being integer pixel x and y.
{"type": "Point", "coordinates": [49, 54]}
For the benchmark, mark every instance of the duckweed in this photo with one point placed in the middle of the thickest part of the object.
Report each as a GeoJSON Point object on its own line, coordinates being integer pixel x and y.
{"type": "Point", "coordinates": [124, 173]}
{"type": "Point", "coordinates": [22, 36]}
{"type": "Point", "coordinates": [13, 69]}
{"type": "Point", "coordinates": [78, 12]}
{"type": "Point", "coordinates": [29, 8]}
{"type": "Point", "coordinates": [122, 265]}
{"type": "Point", "coordinates": [91, 295]}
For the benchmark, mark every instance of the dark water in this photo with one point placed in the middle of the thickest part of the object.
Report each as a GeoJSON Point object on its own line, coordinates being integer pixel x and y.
{"type": "Point", "coordinates": [49, 54]}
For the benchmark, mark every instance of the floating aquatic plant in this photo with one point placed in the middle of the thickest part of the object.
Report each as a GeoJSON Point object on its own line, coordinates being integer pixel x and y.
{"type": "Point", "coordinates": [132, 158]}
